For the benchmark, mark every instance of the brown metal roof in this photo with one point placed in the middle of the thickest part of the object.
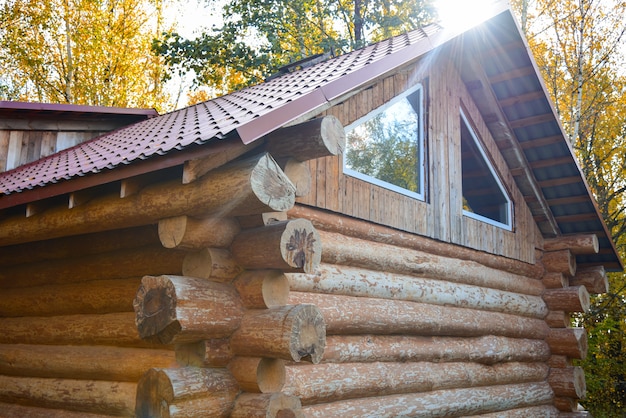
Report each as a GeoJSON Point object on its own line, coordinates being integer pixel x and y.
{"type": "Point", "coordinates": [511, 77]}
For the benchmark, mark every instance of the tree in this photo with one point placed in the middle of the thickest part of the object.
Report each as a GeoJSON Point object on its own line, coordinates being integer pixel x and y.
{"type": "Point", "coordinates": [94, 52]}
{"type": "Point", "coordinates": [260, 36]}
{"type": "Point", "coordinates": [579, 48]}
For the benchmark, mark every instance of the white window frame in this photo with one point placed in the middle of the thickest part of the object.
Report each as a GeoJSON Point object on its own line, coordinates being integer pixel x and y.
{"type": "Point", "coordinates": [421, 145]}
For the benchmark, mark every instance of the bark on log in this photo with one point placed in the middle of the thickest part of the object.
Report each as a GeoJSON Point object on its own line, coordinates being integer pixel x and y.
{"type": "Point", "coordinates": [571, 342]}
{"type": "Point", "coordinates": [568, 299]}
{"type": "Point", "coordinates": [299, 174]}
{"type": "Point", "coordinates": [258, 375]}
{"type": "Point", "coordinates": [266, 405]}
{"type": "Point", "coordinates": [290, 333]}
{"type": "Point", "coordinates": [322, 383]}
{"type": "Point", "coordinates": [543, 411]}
{"type": "Point", "coordinates": [558, 319]}
{"type": "Point", "coordinates": [484, 350]}
{"type": "Point", "coordinates": [187, 233]}
{"type": "Point", "coordinates": [554, 280]}
{"type": "Point", "coordinates": [260, 289]}
{"type": "Point", "coordinates": [351, 281]}
{"type": "Point", "coordinates": [241, 188]}
{"type": "Point", "coordinates": [216, 264]}
{"type": "Point", "coordinates": [97, 297]}
{"type": "Point", "coordinates": [561, 261]}
{"type": "Point", "coordinates": [186, 392]}
{"type": "Point", "coordinates": [91, 396]}
{"type": "Point", "coordinates": [291, 245]}
{"type": "Point", "coordinates": [344, 250]}
{"type": "Point", "coordinates": [214, 352]}
{"type": "Point", "coordinates": [11, 410]}
{"type": "Point", "coordinates": [320, 137]}
{"type": "Point", "coordinates": [593, 278]}
{"type": "Point", "coordinates": [81, 362]}
{"type": "Point", "coordinates": [356, 315]}
{"type": "Point", "coordinates": [122, 264]}
{"type": "Point", "coordinates": [116, 329]}
{"type": "Point", "coordinates": [577, 244]}
{"type": "Point", "coordinates": [454, 402]}
{"type": "Point", "coordinates": [174, 309]}
{"type": "Point", "coordinates": [80, 245]}
{"type": "Point", "coordinates": [568, 382]}
{"type": "Point", "coordinates": [357, 228]}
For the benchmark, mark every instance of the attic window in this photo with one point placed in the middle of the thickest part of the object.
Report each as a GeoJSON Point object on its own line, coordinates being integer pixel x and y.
{"type": "Point", "coordinates": [484, 197]}
{"type": "Point", "coordinates": [386, 146]}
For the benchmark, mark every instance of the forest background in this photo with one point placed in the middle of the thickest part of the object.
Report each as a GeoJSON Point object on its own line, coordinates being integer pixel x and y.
{"type": "Point", "coordinates": [130, 53]}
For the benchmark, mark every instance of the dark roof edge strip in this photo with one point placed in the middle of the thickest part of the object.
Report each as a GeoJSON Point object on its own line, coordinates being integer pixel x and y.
{"type": "Point", "coordinates": [63, 107]}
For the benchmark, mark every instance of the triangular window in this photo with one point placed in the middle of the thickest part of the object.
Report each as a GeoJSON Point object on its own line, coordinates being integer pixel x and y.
{"type": "Point", "coordinates": [484, 197]}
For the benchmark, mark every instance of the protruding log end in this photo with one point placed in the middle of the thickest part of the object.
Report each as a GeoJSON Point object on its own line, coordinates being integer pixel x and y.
{"type": "Point", "coordinates": [216, 264]}
{"type": "Point", "coordinates": [184, 232]}
{"type": "Point", "coordinates": [261, 289]}
{"type": "Point", "coordinates": [570, 342]}
{"type": "Point", "coordinates": [267, 405]}
{"type": "Point", "coordinates": [568, 299]}
{"type": "Point", "coordinates": [593, 278]}
{"type": "Point", "coordinates": [214, 352]}
{"type": "Point", "coordinates": [155, 310]}
{"type": "Point", "coordinates": [568, 382]}
{"type": "Point", "coordinates": [308, 333]}
{"type": "Point", "coordinates": [271, 186]}
{"type": "Point", "coordinates": [258, 375]}
{"type": "Point", "coordinates": [560, 261]}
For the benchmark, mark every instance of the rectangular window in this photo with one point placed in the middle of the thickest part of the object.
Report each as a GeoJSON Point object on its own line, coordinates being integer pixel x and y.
{"type": "Point", "coordinates": [386, 147]}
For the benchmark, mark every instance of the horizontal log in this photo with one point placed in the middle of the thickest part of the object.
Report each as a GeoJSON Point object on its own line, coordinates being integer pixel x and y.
{"type": "Point", "coordinates": [214, 352]}
{"type": "Point", "coordinates": [81, 362]}
{"type": "Point", "coordinates": [564, 404]}
{"type": "Point", "coordinates": [90, 396]}
{"type": "Point", "coordinates": [321, 383]}
{"type": "Point", "coordinates": [358, 315]}
{"type": "Point", "coordinates": [344, 250]}
{"type": "Point", "coordinates": [543, 411]}
{"type": "Point", "coordinates": [135, 262]}
{"type": "Point", "coordinates": [186, 392]}
{"type": "Point", "coordinates": [11, 410]}
{"type": "Point", "coordinates": [454, 402]}
{"type": "Point", "coordinates": [80, 245]}
{"type": "Point", "coordinates": [107, 329]}
{"type": "Point", "coordinates": [593, 278]}
{"type": "Point", "coordinates": [175, 309]}
{"type": "Point", "coordinates": [561, 261]}
{"type": "Point", "coordinates": [96, 297]}
{"type": "Point", "coordinates": [243, 187]}
{"type": "Point", "coordinates": [352, 281]}
{"type": "Point", "coordinates": [558, 319]}
{"type": "Point", "coordinates": [332, 222]}
{"type": "Point", "coordinates": [560, 361]}
{"type": "Point", "coordinates": [320, 137]}
{"type": "Point", "coordinates": [484, 350]}
{"type": "Point", "coordinates": [266, 405]}
{"type": "Point", "coordinates": [554, 280]}
{"type": "Point", "coordinates": [261, 219]}
{"type": "Point", "coordinates": [216, 264]}
{"type": "Point", "coordinates": [290, 245]}
{"type": "Point", "coordinates": [289, 332]}
{"type": "Point", "coordinates": [258, 375]}
{"type": "Point", "coordinates": [568, 382]}
{"type": "Point", "coordinates": [568, 299]}
{"type": "Point", "coordinates": [259, 289]}
{"type": "Point", "coordinates": [187, 233]}
{"type": "Point", "coordinates": [577, 244]}
{"type": "Point", "coordinates": [571, 342]}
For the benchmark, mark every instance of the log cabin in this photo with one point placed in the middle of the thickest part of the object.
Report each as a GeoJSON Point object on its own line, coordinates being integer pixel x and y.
{"type": "Point", "coordinates": [402, 230]}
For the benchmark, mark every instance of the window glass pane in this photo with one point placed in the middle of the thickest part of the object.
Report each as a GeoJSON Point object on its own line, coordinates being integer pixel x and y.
{"type": "Point", "coordinates": [386, 148]}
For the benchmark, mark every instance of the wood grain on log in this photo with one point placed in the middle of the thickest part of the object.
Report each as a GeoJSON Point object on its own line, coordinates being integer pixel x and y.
{"type": "Point", "coordinates": [560, 361]}
{"type": "Point", "coordinates": [568, 299]}
{"type": "Point", "coordinates": [186, 392]}
{"type": "Point", "coordinates": [11, 410]}
{"type": "Point", "coordinates": [344, 250]}
{"type": "Point", "coordinates": [571, 342]}
{"type": "Point", "coordinates": [299, 174]}
{"type": "Point", "coordinates": [560, 261]}
{"type": "Point", "coordinates": [214, 352]}
{"type": "Point", "coordinates": [577, 244]}
{"type": "Point", "coordinates": [543, 411]}
{"type": "Point", "coordinates": [593, 278]}
{"type": "Point", "coordinates": [554, 280]}
{"type": "Point", "coordinates": [453, 402]}
{"type": "Point", "coordinates": [358, 315]}
{"type": "Point", "coordinates": [216, 264]}
{"type": "Point", "coordinates": [261, 219]}
{"type": "Point", "coordinates": [266, 405]}
{"type": "Point", "coordinates": [291, 245]}
{"type": "Point", "coordinates": [352, 281]}
{"type": "Point", "coordinates": [565, 404]}
{"type": "Point", "coordinates": [91, 396]}
{"type": "Point", "coordinates": [258, 375]}
{"type": "Point", "coordinates": [175, 309]}
{"type": "Point", "coordinates": [81, 362]}
{"type": "Point", "coordinates": [194, 169]}
{"type": "Point", "coordinates": [259, 289]}
{"type": "Point", "coordinates": [357, 228]}
{"type": "Point", "coordinates": [320, 137]}
{"type": "Point", "coordinates": [568, 382]}
{"type": "Point", "coordinates": [558, 319]}
{"type": "Point", "coordinates": [289, 332]}
{"type": "Point", "coordinates": [244, 187]}
{"type": "Point", "coordinates": [484, 350]}
{"type": "Point", "coordinates": [185, 232]}
{"type": "Point", "coordinates": [328, 382]}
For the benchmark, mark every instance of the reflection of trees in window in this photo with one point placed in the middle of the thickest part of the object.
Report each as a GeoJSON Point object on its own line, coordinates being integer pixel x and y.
{"type": "Point", "coordinates": [387, 146]}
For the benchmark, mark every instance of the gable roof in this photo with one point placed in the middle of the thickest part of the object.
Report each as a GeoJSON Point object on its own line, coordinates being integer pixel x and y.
{"type": "Point", "coordinates": [498, 69]}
